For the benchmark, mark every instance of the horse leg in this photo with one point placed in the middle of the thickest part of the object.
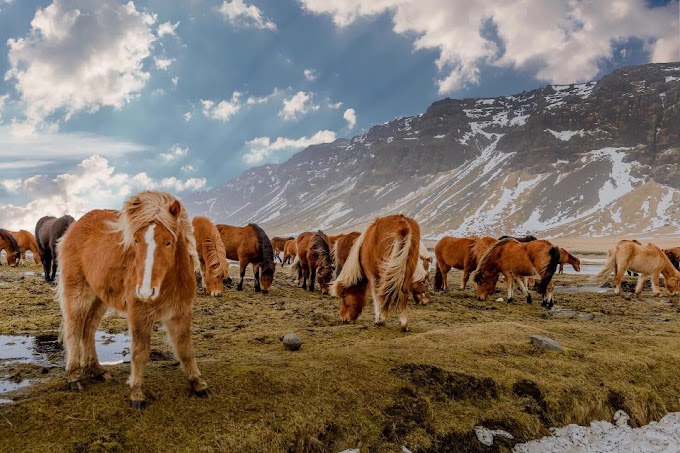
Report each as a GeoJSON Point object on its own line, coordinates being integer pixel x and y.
{"type": "Point", "coordinates": [511, 287]}
{"type": "Point", "coordinates": [243, 264]}
{"type": "Point", "coordinates": [54, 267]}
{"type": "Point", "coordinates": [76, 304]}
{"type": "Point", "coordinates": [89, 362]}
{"type": "Point", "coordinates": [561, 268]}
{"type": "Point", "coordinates": [377, 308]}
{"type": "Point", "coordinates": [256, 273]}
{"type": "Point", "coordinates": [466, 277]}
{"type": "Point", "coordinates": [617, 280]}
{"type": "Point", "coordinates": [47, 265]}
{"type": "Point", "coordinates": [179, 331]}
{"type": "Point", "coordinates": [548, 298]}
{"type": "Point", "coordinates": [305, 275]}
{"type": "Point", "coordinates": [403, 319]}
{"type": "Point", "coordinates": [140, 328]}
{"type": "Point", "coordinates": [522, 282]}
{"type": "Point", "coordinates": [640, 283]}
{"type": "Point", "coordinates": [445, 276]}
{"type": "Point", "coordinates": [655, 285]}
{"type": "Point", "coordinates": [312, 277]}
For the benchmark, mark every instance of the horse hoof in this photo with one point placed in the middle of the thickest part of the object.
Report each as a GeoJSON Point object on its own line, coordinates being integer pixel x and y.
{"type": "Point", "coordinates": [205, 393]}
{"type": "Point", "coordinates": [511, 300]}
{"type": "Point", "coordinates": [75, 386]}
{"type": "Point", "coordinates": [239, 288]}
{"type": "Point", "coordinates": [102, 377]}
{"type": "Point", "coordinates": [265, 291]}
{"type": "Point", "coordinates": [405, 329]}
{"type": "Point", "coordinates": [257, 289]}
{"type": "Point", "coordinates": [380, 323]}
{"type": "Point", "coordinates": [529, 299]}
{"type": "Point", "coordinates": [138, 405]}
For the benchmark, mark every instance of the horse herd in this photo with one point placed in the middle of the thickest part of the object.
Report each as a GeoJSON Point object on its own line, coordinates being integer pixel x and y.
{"type": "Point", "coordinates": [147, 259]}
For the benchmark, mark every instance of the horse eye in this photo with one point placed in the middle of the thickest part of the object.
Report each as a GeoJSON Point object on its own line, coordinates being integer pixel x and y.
{"type": "Point", "coordinates": [136, 241]}
{"type": "Point", "coordinates": [167, 243]}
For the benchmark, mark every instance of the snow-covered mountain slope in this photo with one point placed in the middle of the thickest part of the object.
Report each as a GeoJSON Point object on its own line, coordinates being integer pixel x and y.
{"type": "Point", "coordinates": [593, 159]}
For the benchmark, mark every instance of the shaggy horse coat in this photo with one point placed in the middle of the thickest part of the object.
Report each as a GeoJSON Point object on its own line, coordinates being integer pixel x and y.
{"type": "Point", "coordinates": [517, 261]}
{"type": "Point", "coordinates": [314, 260]}
{"type": "Point", "coordinates": [212, 255]}
{"type": "Point", "coordinates": [250, 244]}
{"type": "Point", "coordinates": [48, 231]}
{"type": "Point", "coordinates": [11, 247]}
{"type": "Point", "coordinates": [27, 242]}
{"type": "Point", "coordinates": [140, 261]}
{"type": "Point", "coordinates": [341, 250]}
{"type": "Point", "coordinates": [452, 252]}
{"type": "Point", "coordinates": [385, 257]}
{"type": "Point", "coordinates": [568, 258]}
{"type": "Point", "coordinates": [648, 261]}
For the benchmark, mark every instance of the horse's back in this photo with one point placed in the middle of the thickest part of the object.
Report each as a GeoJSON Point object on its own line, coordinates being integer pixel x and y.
{"type": "Point", "coordinates": [380, 237]}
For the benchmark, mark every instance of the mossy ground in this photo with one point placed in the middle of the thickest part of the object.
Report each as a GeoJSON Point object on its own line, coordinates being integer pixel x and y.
{"type": "Point", "coordinates": [463, 364]}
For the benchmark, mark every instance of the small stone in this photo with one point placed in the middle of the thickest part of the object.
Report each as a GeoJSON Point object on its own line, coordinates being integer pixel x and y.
{"type": "Point", "coordinates": [291, 342]}
{"type": "Point", "coordinates": [546, 343]}
{"type": "Point", "coordinates": [500, 299]}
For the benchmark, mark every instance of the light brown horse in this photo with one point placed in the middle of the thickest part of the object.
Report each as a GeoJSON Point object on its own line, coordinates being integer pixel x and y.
{"type": "Point", "coordinates": [212, 255]}
{"type": "Point", "coordinates": [674, 256]}
{"type": "Point", "coordinates": [384, 257]}
{"type": "Point", "coordinates": [279, 246]}
{"type": "Point", "coordinates": [289, 251]}
{"type": "Point", "coordinates": [314, 260]}
{"type": "Point", "coordinates": [516, 261]}
{"type": "Point", "coordinates": [343, 245]}
{"type": "Point", "coordinates": [648, 261]}
{"type": "Point", "coordinates": [141, 261]}
{"type": "Point", "coordinates": [26, 243]}
{"type": "Point", "coordinates": [568, 258]}
{"type": "Point", "coordinates": [9, 244]}
{"type": "Point", "coordinates": [250, 244]}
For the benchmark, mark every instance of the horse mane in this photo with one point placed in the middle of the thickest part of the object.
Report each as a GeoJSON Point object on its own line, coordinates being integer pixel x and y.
{"type": "Point", "coordinates": [485, 258]}
{"type": "Point", "coordinates": [10, 238]}
{"type": "Point", "coordinates": [217, 254]}
{"type": "Point", "coordinates": [323, 253]}
{"type": "Point", "coordinates": [476, 249]}
{"type": "Point", "coordinates": [264, 245]}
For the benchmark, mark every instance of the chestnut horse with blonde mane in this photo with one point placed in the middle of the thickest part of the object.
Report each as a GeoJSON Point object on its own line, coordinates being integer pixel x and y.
{"type": "Point", "coordinates": [27, 243]}
{"type": "Point", "coordinates": [648, 261]}
{"type": "Point", "coordinates": [516, 261]}
{"type": "Point", "coordinates": [568, 258]}
{"type": "Point", "coordinates": [140, 261]}
{"type": "Point", "coordinates": [314, 260]}
{"type": "Point", "coordinates": [12, 249]}
{"type": "Point", "coordinates": [250, 244]}
{"type": "Point", "coordinates": [385, 257]}
{"type": "Point", "coordinates": [211, 254]}
{"type": "Point", "coordinates": [279, 246]}
{"type": "Point", "coordinates": [343, 245]}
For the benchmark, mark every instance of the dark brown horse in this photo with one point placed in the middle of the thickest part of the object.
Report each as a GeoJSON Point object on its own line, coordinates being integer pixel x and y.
{"type": "Point", "coordinates": [250, 244]}
{"type": "Point", "coordinates": [527, 238]}
{"type": "Point", "coordinates": [11, 247]}
{"type": "Point", "coordinates": [568, 258]}
{"type": "Point", "coordinates": [279, 246]}
{"type": "Point", "coordinates": [48, 231]}
{"type": "Point", "coordinates": [674, 255]}
{"type": "Point", "coordinates": [314, 259]}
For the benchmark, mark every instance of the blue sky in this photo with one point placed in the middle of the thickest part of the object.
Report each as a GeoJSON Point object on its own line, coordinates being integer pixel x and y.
{"type": "Point", "coordinates": [101, 98]}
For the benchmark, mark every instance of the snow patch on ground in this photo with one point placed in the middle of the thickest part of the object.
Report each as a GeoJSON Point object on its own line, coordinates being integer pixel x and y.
{"type": "Point", "coordinates": [565, 136]}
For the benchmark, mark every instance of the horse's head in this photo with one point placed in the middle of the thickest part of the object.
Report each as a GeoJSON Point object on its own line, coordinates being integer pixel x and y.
{"type": "Point", "coordinates": [267, 276]}
{"type": "Point", "coordinates": [155, 247]}
{"type": "Point", "coordinates": [576, 263]}
{"type": "Point", "coordinates": [486, 284]}
{"type": "Point", "coordinates": [421, 291]}
{"type": "Point", "coordinates": [673, 284]}
{"type": "Point", "coordinates": [324, 275]}
{"type": "Point", "coordinates": [214, 279]}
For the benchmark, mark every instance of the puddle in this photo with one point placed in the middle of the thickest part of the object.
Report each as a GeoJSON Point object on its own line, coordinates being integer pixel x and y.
{"type": "Point", "coordinates": [582, 289]}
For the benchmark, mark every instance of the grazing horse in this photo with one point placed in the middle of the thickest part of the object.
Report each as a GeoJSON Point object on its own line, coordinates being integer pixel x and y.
{"type": "Point", "coordinates": [27, 242]}
{"type": "Point", "coordinates": [384, 257]}
{"type": "Point", "coordinates": [452, 252]}
{"type": "Point", "coordinates": [140, 261]}
{"type": "Point", "coordinates": [48, 231]}
{"type": "Point", "coordinates": [250, 244]}
{"type": "Point", "coordinates": [279, 246]}
{"type": "Point", "coordinates": [11, 247]}
{"type": "Point", "coordinates": [421, 277]}
{"type": "Point", "coordinates": [211, 254]}
{"type": "Point", "coordinates": [516, 261]}
{"type": "Point", "coordinates": [568, 258]}
{"type": "Point", "coordinates": [341, 250]}
{"type": "Point", "coordinates": [674, 256]}
{"type": "Point", "coordinates": [648, 261]}
{"type": "Point", "coordinates": [314, 260]}
{"type": "Point", "coordinates": [289, 251]}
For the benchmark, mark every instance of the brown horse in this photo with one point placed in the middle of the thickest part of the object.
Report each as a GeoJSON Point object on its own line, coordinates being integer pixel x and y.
{"type": "Point", "coordinates": [48, 231]}
{"type": "Point", "coordinates": [421, 278]}
{"type": "Point", "coordinates": [279, 246]}
{"type": "Point", "coordinates": [289, 251]}
{"type": "Point", "coordinates": [384, 257]}
{"type": "Point", "coordinates": [516, 261]}
{"type": "Point", "coordinates": [27, 242]}
{"type": "Point", "coordinates": [648, 261]}
{"type": "Point", "coordinates": [250, 244]}
{"type": "Point", "coordinates": [452, 252]}
{"type": "Point", "coordinates": [674, 256]}
{"type": "Point", "coordinates": [9, 244]}
{"type": "Point", "coordinates": [568, 258]}
{"type": "Point", "coordinates": [314, 260]}
{"type": "Point", "coordinates": [140, 261]}
{"type": "Point", "coordinates": [341, 250]}
{"type": "Point", "coordinates": [212, 255]}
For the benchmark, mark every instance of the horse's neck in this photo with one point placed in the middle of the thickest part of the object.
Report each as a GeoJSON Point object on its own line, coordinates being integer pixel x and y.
{"type": "Point", "coordinates": [668, 269]}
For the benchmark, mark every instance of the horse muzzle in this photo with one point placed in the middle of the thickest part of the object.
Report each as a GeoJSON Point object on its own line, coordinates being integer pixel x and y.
{"type": "Point", "coordinates": [147, 295]}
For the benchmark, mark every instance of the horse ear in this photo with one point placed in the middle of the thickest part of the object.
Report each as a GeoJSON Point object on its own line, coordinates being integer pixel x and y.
{"type": "Point", "coordinates": [175, 208]}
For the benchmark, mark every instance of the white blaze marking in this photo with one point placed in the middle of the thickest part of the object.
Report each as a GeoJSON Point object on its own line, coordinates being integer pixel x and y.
{"type": "Point", "coordinates": [148, 263]}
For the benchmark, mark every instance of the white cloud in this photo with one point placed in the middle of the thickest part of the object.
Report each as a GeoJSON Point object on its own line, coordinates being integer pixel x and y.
{"type": "Point", "coordinates": [187, 116]}
{"type": "Point", "coordinates": [335, 106]}
{"type": "Point", "coordinates": [252, 100]}
{"type": "Point", "coordinates": [310, 74]}
{"type": "Point", "coordinates": [80, 55]}
{"type": "Point", "coordinates": [163, 63]}
{"type": "Point", "coordinates": [175, 152]}
{"type": "Point", "coordinates": [22, 164]}
{"type": "Point", "coordinates": [175, 81]}
{"type": "Point", "coordinates": [351, 117]}
{"type": "Point", "coordinates": [223, 110]}
{"type": "Point", "coordinates": [239, 13]}
{"type": "Point", "coordinates": [559, 41]}
{"type": "Point", "coordinates": [297, 105]}
{"type": "Point", "coordinates": [188, 168]}
{"type": "Point", "coordinates": [262, 148]}
{"type": "Point", "coordinates": [167, 28]}
{"type": "Point", "coordinates": [92, 184]}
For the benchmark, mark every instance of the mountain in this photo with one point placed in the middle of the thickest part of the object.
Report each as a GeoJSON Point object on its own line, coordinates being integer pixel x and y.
{"type": "Point", "coordinates": [589, 159]}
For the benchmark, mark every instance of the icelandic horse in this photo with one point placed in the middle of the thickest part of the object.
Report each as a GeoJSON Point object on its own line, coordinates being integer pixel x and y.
{"type": "Point", "coordinates": [279, 245]}
{"type": "Point", "coordinates": [11, 247]}
{"type": "Point", "coordinates": [648, 261]}
{"type": "Point", "coordinates": [516, 261]}
{"type": "Point", "coordinates": [289, 251]}
{"type": "Point", "coordinates": [384, 257]}
{"type": "Point", "coordinates": [140, 261]}
{"type": "Point", "coordinates": [568, 258]}
{"type": "Point", "coordinates": [341, 250]}
{"type": "Point", "coordinates": [48, 231]}
{"type": "Point", "coordinates": [27, 243]}
{"type": "Point", "coordinates": [250, 244]}
{"type": "Point", "coordinates": [314, 260]}
{"type": "Point", "coordinates": [452, 252]}
{"type": "Point", "coordinates": [211, 254]}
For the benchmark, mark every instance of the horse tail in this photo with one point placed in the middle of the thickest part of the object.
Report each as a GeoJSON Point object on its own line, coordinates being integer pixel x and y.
{"type": "Point", "coordinates": [351, 272]}
{"type": "Point", "coordinates": [602, 276]}
{"type": "Point", "coordinates": [335, 258]}
{"type": "Point", "coordinates": [438, 279]}
{"type": "Point", "coordinates": [549, 270]}
{"type": "Point", "coordinates": [399, 266]}
{"type": "Point", "coordinates": [296, 268]}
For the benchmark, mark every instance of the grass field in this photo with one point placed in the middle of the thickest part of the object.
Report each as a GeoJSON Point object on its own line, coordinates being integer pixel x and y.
{"type": "Point", "coordinates": [464, 363]}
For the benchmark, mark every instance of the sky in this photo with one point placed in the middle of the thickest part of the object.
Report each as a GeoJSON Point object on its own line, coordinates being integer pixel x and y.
{"type": "Point", "coordinates": [100, 99]}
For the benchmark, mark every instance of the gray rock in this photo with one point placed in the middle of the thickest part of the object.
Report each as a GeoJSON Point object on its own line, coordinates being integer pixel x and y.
{"type": "Point", "coordinates": [546, 343]}
{"type": "Point", "coordinates": [291, 342]}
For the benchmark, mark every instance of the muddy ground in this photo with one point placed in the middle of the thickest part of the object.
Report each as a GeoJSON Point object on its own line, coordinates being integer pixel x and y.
{"type": "Point", "coordinates": [465, 363]}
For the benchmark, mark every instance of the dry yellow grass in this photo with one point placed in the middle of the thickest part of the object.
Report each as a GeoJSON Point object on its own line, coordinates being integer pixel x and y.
{"type": "Point", "coordinates": [465, 363]}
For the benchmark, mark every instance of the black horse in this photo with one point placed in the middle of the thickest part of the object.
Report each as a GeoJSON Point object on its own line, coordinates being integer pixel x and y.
{"type": "Point", "coordinates": [528, 238]}
{"type": "Point", "coordinates": [48, 230]}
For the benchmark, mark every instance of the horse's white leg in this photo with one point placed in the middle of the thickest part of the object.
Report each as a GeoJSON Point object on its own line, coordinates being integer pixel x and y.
{"type": "Point", "coordinates": [511, 287]}
{"type": "Point", "coordinates": [403, 319]}
{"type": "Point", "coordinates": [641, 283]}
{"type": "Point", "coordinates": [377, 308]}
{"type": "Point", "coordinates": [179, 332]}
{"type": "Point", "coordinates": [522, 282]}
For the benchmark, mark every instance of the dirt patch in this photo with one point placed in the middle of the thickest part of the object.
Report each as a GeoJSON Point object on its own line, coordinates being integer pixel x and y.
{"type": "Point", "coordinates": [447, 384]}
